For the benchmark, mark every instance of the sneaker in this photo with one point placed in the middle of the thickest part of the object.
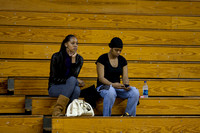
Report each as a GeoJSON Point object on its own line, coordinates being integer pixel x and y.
{"type": "Point", "coordinates": [126, 114]}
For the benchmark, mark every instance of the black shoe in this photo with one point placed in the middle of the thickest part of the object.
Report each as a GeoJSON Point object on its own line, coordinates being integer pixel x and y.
{"type": "Point", "coordinates": [126, 115]}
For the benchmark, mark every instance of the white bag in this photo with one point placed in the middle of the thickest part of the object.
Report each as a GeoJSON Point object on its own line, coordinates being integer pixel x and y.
{"type": "Point", "coordinates": [79, 108]}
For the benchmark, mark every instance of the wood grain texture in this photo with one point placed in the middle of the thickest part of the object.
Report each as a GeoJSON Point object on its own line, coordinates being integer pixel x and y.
{"type": "Point", "coordinates": [21, 124]}
{"type": "Point", "coordinates": [37, 86]}
{"type": "Point", "coordinates": [3, 85]}
{"type": "Point", "coordinates": [185, 23]}
{"type": "Point", "coordinates": [125, 125]}
{"type": "Point", "coordinates": [105, 21]}
{"type": "Point", "coordinates": [148, 106]}
{"type": "Point", "coordinates": [43, 105]}
{"type": "Point", "coordinates": [168, 7]}
{"type": "Point", "coordinates": [156, 106]}
{"type": "Point", "coordinates": [89, 52]}
{"type": "Point", "coordinates": [24, 34]}
{"type": "Point", "coordinates": [158, 87]}
{"type": "Point", "coordinates": [12, 104]}
{"type": "Point", "coordinates": [111, 6]}
{"type": "Point", "coordinates": [70, 20]}
{"type": "Point", "coordinates": [39, 68]}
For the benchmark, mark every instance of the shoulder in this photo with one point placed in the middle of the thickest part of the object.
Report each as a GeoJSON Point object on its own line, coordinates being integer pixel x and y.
{"type": "Point", "coordinates": [79, 57]}
{"type": "Point", "coordinates": [56, 55]}
{"type": "Point", "coordinates": [121, 58]}
{"type": "Point", "coordinates": [104, 55]}
{"type": "Point", "coordinates": [102, 59]}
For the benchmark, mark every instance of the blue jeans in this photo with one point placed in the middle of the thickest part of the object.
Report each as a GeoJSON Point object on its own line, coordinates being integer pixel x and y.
{"type": "Point", "coordinates": [70, 89]}
{"type": "Point", "coordinates": [110, 95]}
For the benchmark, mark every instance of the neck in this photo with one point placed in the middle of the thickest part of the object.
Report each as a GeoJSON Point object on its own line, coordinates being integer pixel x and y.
{"type": "Point", "coordinates": [111, 56]}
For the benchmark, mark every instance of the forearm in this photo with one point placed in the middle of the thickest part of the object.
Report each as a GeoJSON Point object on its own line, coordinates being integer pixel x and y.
{"type": "Point", "coordinates": [125, 80]}
{"type": "Point", "coordinates": [105, 81]}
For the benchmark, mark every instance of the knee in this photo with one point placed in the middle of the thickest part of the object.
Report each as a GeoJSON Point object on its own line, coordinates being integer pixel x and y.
{"type": "Point", "coordinates": [111, 93]}
{"type": "Point", "coordinates": [72, 79]}
{"type": "Point", "coordinates": [134, 92]}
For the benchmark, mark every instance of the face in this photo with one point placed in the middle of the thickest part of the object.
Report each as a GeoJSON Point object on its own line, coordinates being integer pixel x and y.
{"type": "Point", "coordinates": [116, 51]}
{"type": "Point", "coordinates": [72, 44]}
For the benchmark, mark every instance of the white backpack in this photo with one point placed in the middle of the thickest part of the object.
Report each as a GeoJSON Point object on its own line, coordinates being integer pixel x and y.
{"type": "Point", "coordinates": [79, 108]}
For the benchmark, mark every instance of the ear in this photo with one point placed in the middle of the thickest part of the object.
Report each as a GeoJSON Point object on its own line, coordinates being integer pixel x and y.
{"type": "Point", "coordinates": [66, 45]}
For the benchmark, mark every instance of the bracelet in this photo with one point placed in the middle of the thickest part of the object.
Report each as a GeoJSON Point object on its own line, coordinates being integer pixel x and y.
{"type": "Point", "coordinates": [126, 85]}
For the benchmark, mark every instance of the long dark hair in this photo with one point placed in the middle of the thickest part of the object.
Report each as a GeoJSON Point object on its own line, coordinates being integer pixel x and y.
{"type": "Point", "coordinates": [67, 38]}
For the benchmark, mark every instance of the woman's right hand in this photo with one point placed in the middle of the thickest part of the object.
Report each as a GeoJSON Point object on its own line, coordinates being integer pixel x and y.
{"type": "Point", "coordinates": [118, 86]}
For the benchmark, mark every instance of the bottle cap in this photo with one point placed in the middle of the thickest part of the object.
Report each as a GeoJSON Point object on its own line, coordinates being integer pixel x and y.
{"type": "Point", "coordinates": [145, 81]}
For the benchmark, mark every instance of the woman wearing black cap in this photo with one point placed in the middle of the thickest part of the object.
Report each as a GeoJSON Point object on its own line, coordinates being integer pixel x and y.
{"type": "Point", "coordinates": [110, 66]}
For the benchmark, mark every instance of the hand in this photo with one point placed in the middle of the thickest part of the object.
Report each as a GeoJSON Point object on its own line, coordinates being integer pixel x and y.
{"type": "Point", "coordinates": [74, 55]}
{"type": "Point", "coordinates": [81, 83]}
{"type": "Point", "coordinates": [127, 88]}
{"type": "Point", "coordinates": [118, 86]}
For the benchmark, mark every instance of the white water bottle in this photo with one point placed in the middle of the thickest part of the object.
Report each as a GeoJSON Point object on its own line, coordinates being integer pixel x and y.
{"type": "Point", "coordinates": [145, 89]}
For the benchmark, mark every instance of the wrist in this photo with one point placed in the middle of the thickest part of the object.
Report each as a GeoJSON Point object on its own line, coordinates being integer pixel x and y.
{"type": "Point", "coordinates": [126, 85]}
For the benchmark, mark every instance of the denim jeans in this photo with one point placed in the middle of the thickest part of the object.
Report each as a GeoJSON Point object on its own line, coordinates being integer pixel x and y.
{"type": "Point", "coordinates": [110, 95]}
{"type": "Point", "coordinates": [70, 89]}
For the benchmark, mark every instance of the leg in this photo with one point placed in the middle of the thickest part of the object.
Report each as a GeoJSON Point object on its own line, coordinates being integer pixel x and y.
{"type": "Point", "coordinates": [108, 101]}
{"type": "Point", "coordinates": [75, 93]}
{"type": "Point", "coordinates": [133, 96]}
{"type": "Point", "coordinates": [64, 89]}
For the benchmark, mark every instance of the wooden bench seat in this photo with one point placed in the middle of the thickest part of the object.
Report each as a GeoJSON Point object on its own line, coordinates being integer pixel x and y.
{"type": "Point", "coordinates": [21, 124]}
{"type": "Point", "coordinates": [189, 7]}
{"type": "Point", "coordinates": [148, 106]}
{"type": "Point", "coordinates": [126, 124]}
{"type": "Point", "coordinates": [38, 68]}
{"type": "Point", "coordinates": [12, 104]}
{"type": "Point", "coordinates": [93, 51]}
{"type": "Point", "coordinates": [157, 87]}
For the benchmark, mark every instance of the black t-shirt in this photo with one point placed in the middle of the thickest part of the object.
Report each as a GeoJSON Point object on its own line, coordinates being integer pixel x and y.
{"type": "Point", "coordinates": [112, 74]}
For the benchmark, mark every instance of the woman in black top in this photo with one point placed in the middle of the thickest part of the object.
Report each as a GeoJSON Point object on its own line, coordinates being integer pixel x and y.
{"type": "Point", "coordinates": [64, 69]}
{"type": "Point", "coordinates": [110, 67]}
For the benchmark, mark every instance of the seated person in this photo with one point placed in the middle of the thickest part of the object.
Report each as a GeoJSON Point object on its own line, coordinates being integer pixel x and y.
{"type": "Point", "coordinates": [64, 69]}
{"type": "Point", "coordinates": [110, 66]}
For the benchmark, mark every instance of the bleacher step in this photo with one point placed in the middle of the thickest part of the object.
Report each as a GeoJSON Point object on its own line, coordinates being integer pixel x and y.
{"type": "Point", "coordinates": [125, 124]}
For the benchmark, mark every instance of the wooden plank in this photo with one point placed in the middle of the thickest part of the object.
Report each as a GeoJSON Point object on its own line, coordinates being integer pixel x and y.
{"type": "Point", "coordinates": [168, 7]}
{"type": "Point", "coordinates": [69, 20]}
{"type": "Point", "coordinates": [37, 68]}
{"type": "Point", "coordinates": [186, 23]}
{"type": "Point", "coordinates": [98, 20]}
{"type": "Point", "coordinates": [21, 124]}
{"type": "Point", "coordinates": [12, 104]}
{"type": "Point", "coordinates": [111, 6]}
{"type": "Point", "coordinates": [43, 105]}
{"type": "Point", "coordinates": [89, 52]}
{"type": "Point", "coordinates": [148, 106]}
{"type": "Point", "coordinates": [124, 124]}
{"type": "Point", "coordinates": [157, 106]}
{"type": "Point", "coordinates": [3, 85]}
{"type": "Point", "coordinates": [42, 34]}
{"type": "Point", "coordinates": [159, 87]}
{"type": "Point", "coordinates": [35, 86]}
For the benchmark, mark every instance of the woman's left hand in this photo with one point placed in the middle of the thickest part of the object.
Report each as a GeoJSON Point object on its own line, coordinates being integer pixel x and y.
{"type": "Point", "coordinates": [81, 83]}
{"type": "Point", "coordinates": [127, 88]}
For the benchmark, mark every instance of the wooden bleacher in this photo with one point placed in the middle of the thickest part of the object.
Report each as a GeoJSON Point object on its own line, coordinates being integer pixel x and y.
{"type": "Point", "coordinates": [161, 44]}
